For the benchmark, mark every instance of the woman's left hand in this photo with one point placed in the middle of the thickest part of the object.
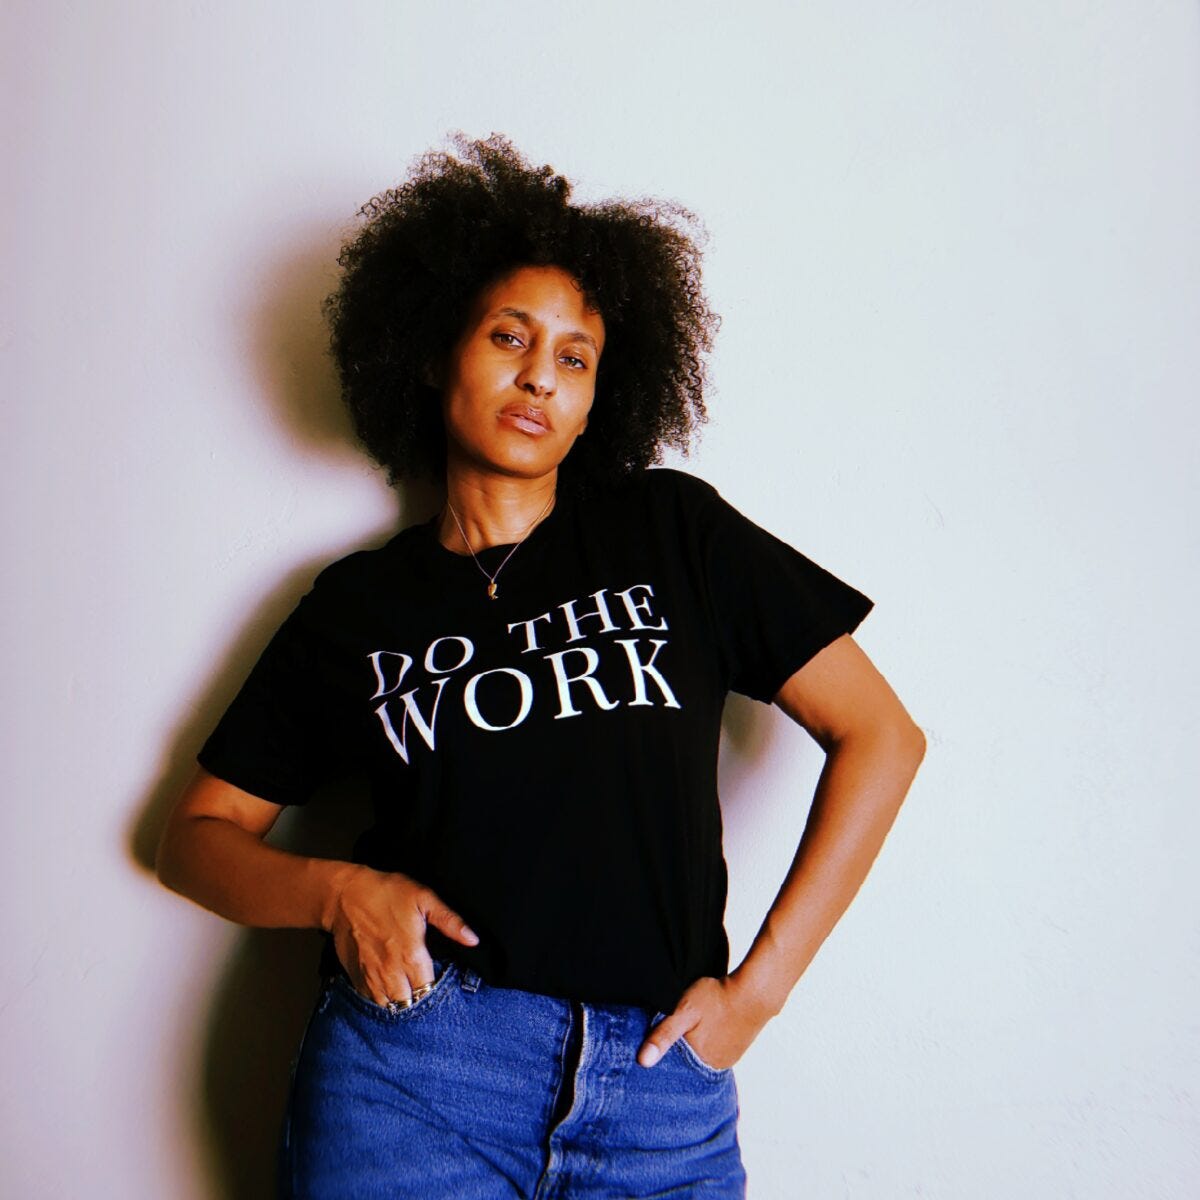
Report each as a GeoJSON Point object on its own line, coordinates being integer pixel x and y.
{"type": "Point", "coordinates": [719, 1018]}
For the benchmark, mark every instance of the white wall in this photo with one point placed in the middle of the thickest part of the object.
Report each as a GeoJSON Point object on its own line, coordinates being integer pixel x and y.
{"type": "Point", "coordinates": [956, 252]}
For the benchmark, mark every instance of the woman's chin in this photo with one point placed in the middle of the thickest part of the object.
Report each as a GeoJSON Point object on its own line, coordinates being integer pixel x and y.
{"type": "Point", "coordinates": [536, 464]}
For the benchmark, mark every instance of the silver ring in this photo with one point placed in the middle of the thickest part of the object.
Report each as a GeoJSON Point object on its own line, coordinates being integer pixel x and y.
{"type": "Point", "coordinates": [418, 993]}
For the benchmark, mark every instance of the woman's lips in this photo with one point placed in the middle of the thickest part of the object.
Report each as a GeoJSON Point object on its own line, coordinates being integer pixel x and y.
{"type": "Point", "coordinates": [516, 419]}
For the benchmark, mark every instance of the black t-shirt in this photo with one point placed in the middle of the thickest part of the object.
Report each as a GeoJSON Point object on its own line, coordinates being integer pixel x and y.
{"type": "Point", "coordinates": [546, 760]}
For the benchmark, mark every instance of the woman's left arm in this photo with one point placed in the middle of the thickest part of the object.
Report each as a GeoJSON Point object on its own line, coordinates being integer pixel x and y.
{"type": "Point", "coordinates": [873, 749]}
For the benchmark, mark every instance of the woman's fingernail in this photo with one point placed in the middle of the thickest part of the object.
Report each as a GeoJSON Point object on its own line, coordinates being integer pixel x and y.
{"type": "Point", "coordinates": [471, 934]}
{"type": "Point", "coordinates": [650, 1055]}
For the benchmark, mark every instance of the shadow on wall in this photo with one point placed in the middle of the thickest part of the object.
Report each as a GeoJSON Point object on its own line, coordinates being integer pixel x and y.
{"type": "Point", "coordinates": [260, 1005]}
{"type": "Point", "coordinates": [258, 1013]}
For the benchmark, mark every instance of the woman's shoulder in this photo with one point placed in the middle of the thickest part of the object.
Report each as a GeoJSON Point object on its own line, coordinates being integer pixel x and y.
{"type": "Point", "coordinates": [660, 497]}
{"type": "Point", "coordinates": [662, 504]}
{"type": "Point", "coordinates": [662, 484]}
{"type": "Point", "coordinates": [360, 575]}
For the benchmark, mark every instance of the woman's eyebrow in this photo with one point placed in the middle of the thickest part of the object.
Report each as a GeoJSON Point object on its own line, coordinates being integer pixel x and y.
{"type": "Point", "coordinates": [576, 335]}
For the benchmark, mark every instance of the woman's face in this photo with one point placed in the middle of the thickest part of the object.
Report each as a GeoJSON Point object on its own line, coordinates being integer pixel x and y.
{"type": "Point", "coordinates": [520, 379]}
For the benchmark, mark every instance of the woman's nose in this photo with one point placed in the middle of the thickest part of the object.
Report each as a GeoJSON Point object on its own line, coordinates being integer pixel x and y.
{"type": "Point", "coordinates": [537, 374]}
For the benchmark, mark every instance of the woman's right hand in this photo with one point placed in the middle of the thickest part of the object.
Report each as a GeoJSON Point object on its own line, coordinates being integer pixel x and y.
{"type": "Point", "coordinates": [378, 924]}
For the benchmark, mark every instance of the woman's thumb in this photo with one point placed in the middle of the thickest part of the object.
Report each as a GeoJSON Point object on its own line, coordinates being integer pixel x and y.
{"type": "Point", "coordinates": [451, 924]}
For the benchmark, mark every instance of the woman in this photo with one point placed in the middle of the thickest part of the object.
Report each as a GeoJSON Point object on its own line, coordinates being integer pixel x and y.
{"type": "Point", "coordinates": [526, 985]}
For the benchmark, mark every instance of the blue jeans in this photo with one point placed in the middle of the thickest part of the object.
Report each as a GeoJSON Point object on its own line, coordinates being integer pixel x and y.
{"type": "Point", "coordinates": [479, 1092]}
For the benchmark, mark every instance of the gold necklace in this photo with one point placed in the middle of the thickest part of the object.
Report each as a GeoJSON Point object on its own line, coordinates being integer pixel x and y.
{"type": "Point", "coordinates": [492, 590]}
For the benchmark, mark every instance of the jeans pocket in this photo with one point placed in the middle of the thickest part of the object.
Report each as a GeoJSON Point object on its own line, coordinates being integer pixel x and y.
{"type": "Point", "coordinates": [444, 972]}
{"type": "Point", "coordinates": [690, 1056]}
{"type": "Point", "coordinates": [694, 1059]}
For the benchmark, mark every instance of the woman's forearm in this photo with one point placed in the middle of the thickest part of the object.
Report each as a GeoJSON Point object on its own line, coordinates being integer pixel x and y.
{"type": "Point", "coordinates": [212, 851]}
{"type": "Point", "coordinates": [860, 790]}
{"type": "Point", "coordinates": [234, 873]}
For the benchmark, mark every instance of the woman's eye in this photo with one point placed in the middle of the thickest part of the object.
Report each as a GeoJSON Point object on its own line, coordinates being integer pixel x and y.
{"type": "Point", "coordinates": [512, 338]}
{"type": "Point", "coordinates": [579, 363]}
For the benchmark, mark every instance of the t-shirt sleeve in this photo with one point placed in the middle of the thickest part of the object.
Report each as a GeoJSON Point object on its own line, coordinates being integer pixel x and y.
{"type": "Point", "coordinates": [773, 608]}
{"type": "Point", "coordinates": [282, 735]}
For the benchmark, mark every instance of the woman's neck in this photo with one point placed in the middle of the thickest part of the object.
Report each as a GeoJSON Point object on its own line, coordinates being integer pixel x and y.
{"type": "Point", "coordinates": [494, 512]}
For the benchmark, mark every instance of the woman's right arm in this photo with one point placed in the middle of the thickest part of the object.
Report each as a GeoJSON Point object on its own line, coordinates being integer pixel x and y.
{"type": "Point", "coordinates": [212, 851]}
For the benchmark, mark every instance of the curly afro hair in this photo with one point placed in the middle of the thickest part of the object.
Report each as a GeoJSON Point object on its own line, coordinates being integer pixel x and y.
{"type": "Point", "coordinates": [429, 246]}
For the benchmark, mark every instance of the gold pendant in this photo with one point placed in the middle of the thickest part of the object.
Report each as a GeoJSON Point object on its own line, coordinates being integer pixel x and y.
{"type": "Point", "coordinates": [492, 589]}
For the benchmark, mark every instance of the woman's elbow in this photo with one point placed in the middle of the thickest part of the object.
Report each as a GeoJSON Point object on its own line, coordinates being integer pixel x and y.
{"type": "Point", "coordinates": [169, 852]}
{"type": "Point", "coordinates": [905, 740]}
{"type": "Point", "coordinates": [913, 737]}
{"type": "Point", "coordinates": [179, 847]}
{"type": "Point", "coordinates": [895, 737]}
